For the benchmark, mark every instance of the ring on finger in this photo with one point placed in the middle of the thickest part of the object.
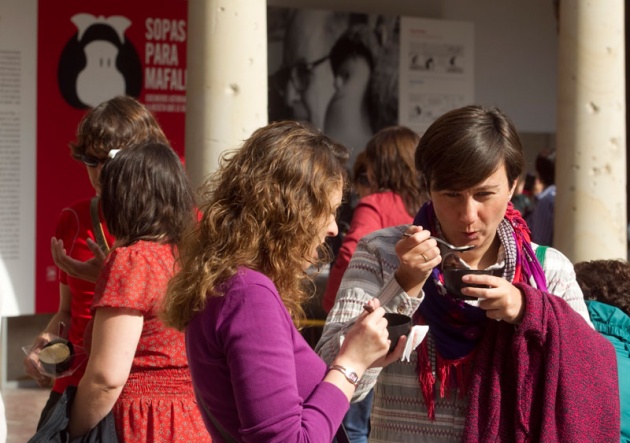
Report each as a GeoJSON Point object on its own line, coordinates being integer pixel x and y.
{"type": "Point", "coordinates": [424, 257]}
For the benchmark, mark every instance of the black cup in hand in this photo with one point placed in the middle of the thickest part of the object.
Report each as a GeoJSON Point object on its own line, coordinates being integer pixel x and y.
{"type": "Point", "coordinates": [397, 326]}
{"type": "Point", "coordinates": [56, 357]}
{"type": "Point", "coordinates": [454, 284]}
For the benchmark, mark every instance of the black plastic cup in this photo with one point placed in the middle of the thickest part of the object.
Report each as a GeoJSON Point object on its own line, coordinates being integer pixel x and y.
{"type": "Point", "coordinates": [454, 284]}
{"type": "Point", "coordinates": [397, 326]}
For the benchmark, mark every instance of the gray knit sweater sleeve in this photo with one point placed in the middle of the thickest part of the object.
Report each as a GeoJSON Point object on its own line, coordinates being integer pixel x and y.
{"type": "Point", "coordinates": [369, 274]}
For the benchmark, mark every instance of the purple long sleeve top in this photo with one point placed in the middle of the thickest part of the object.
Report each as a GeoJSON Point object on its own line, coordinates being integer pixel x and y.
{"type": "Point", "coordinates": [255, 372]}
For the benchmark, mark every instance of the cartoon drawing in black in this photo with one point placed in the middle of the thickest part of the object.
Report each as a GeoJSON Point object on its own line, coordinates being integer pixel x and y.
{"type": "Point", "coordinates": [98, 62]}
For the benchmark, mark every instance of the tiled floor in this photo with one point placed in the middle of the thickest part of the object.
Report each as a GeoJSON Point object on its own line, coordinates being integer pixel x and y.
{"type": "Point", "coordinates": [23, 406]}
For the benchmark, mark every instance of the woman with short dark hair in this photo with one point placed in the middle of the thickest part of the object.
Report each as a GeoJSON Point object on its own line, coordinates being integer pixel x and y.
{"type": "Point", "coordinates": [504, 359]}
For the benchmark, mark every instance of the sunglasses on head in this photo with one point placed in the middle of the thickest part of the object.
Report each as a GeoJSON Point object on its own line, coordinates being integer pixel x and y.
{"type": "Point", "coordinates": [90, 160]}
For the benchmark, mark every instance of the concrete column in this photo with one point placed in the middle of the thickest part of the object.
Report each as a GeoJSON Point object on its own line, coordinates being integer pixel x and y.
{"type": "Point", "coordinates": [226, 90]}
{"type": "Point", "coordinates": [590, 208]}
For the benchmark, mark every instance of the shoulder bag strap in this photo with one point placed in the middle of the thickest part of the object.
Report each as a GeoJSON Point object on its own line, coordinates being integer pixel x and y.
{"type": "Point", "coordinates": [97, 227]}
{"type": "Point", "coordinates": [342, 435]}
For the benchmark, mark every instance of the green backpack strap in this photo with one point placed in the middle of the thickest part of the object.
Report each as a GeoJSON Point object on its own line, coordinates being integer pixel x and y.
{"type": "Point", "coordinates": [541, 251]}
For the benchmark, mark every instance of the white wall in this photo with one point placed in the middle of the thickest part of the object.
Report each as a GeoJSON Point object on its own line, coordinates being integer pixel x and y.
{"type": "Point", "coordinates": [515, 58]}
{"type": "Point", "coordinates": [515, 49]}
{"type": "Point", "coordinates": [418, 8]}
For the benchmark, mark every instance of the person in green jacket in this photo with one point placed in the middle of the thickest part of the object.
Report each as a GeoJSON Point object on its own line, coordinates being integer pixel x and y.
{"type": "Point", "coordinates": [606, 288]}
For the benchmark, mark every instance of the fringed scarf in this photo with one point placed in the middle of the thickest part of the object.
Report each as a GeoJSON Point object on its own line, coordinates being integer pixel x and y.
{"type": "Point", "coordinates": [457, 327]}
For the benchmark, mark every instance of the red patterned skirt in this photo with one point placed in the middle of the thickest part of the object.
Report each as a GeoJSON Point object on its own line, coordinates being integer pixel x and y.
{"type": "Point", "coordinates": [159, 406]}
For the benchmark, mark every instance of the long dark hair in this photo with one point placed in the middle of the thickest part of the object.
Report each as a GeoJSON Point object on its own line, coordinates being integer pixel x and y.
{"type": "Point", "coordinates": [146, 195]}
{"type": "Point", "coordinates": [390, 154]}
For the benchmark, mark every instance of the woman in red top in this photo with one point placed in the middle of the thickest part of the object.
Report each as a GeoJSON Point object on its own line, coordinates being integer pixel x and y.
{"type": "Point", "coordinates": [138, 366]}
{"type": "Point", "coordinates": [394, 200]}
{"type": "Point", "coordinates": [115, 124]}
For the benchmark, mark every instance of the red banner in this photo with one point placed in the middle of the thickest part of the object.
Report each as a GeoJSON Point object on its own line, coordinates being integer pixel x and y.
{"type": "Point", "coordinates": [89, 52]}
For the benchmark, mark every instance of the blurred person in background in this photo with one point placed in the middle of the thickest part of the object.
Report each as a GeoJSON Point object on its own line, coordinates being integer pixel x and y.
{"type": "Point", "coordinates": [545, 191]}
{"type": "Point", "coordinates": [522, 198]}
{"type": "Point", "coordinates": [606, 287]}
{"type": "Point", "coordinates": [361, 185]}
{"type": "Point", "coordinates": [393, 195]}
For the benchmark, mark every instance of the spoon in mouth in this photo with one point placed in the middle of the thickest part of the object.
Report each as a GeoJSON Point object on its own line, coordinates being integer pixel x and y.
{"type": "Point", "coordinates": [447, 244]}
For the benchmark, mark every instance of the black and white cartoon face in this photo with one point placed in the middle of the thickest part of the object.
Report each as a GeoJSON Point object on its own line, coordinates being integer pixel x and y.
{"type": "Point", "coordinates": [98, 62]}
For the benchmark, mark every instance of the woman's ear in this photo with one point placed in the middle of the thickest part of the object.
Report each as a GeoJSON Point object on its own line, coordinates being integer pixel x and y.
{"type": "Point", "coordinates": [512, 189]}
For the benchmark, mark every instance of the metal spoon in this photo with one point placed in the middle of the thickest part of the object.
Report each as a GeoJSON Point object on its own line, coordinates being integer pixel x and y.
{"type": "Point", "coordinates": [447, 244]}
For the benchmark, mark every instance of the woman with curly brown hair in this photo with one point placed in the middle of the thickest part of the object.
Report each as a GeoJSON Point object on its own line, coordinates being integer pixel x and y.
{"type": "Point", "coordinates": [605, 281]}
{"type": "Point", "coordinates": [265, 216]}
